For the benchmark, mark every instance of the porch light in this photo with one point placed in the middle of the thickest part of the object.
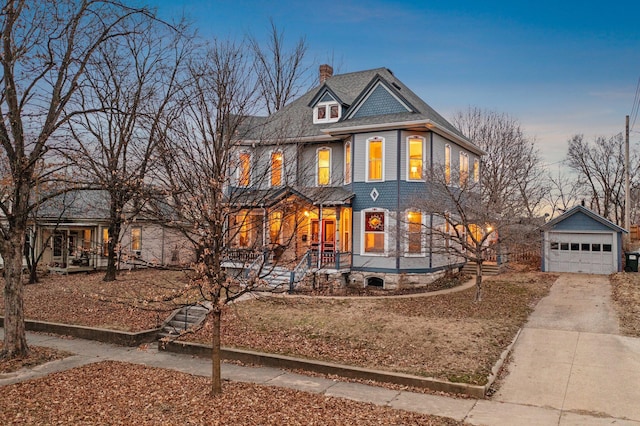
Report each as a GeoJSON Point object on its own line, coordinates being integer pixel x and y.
{"type": "Point", "coordinates": [489, 228]}
{"type": "Point", "coordinates": [306, 213]}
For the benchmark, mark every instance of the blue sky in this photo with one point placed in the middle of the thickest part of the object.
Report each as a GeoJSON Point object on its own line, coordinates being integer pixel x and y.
{"type": "Point", "coordinates": [559, 67]}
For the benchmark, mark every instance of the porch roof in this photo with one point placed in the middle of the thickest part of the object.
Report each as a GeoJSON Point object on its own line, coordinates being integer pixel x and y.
{"type": "Point", "coordinates": [326, 196]}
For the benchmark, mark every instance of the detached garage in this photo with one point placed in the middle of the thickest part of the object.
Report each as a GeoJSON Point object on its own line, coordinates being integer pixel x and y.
{"type": "Point", "coordinates": [582, 241]}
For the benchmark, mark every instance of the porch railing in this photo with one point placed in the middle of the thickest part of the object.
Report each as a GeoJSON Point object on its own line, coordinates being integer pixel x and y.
{"type": "Point", "coordinates": [330, 259]}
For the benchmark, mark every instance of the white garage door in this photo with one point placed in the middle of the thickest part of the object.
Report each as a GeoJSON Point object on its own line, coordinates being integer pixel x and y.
{"type": "Point", "coordinates": [592, 253]}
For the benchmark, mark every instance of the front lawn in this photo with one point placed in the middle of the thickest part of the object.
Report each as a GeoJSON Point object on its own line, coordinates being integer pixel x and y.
{"type": "Point", "coordinates": [448, 336]}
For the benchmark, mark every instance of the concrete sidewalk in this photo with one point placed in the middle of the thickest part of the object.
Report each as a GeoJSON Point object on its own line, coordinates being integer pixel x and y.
{"type": "Point", "coordinates": [569, 368]}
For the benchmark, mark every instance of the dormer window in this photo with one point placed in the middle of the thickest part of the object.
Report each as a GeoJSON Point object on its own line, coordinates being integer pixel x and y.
{"type": "Point", "coordinates": [326, 112]}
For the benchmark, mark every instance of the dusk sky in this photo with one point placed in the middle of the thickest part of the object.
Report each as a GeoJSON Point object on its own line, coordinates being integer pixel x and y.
{"type": "Point", "coordinates": [559, 67]}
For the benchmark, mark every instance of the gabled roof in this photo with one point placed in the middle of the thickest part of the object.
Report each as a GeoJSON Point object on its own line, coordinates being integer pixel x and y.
{"type": "Point", "coordinates": [295, 120]}
{"type": "Point", "coordinates": [583, 210]}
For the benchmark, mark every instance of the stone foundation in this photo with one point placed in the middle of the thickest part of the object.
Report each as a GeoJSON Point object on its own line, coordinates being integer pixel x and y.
{"type": "Point", "coordinates": [394, 281]}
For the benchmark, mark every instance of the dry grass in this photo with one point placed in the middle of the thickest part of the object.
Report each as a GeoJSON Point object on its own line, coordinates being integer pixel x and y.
{"type": "Point", "coordinates": [118, 393]}
{"type": "Point", "coordinates": [448, 336]}
{"type": "Point", "coordinates": [131, 303]}
{"type": "Point", "coordinates": [626, 297]}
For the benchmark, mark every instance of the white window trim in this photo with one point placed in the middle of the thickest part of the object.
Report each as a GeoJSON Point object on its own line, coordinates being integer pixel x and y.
{"type": "Point", "coordinates": [138, 251]}
{"type": "Point", "coordinates": [282, 168]}
{"type": "Point", "coordinates": [464, 167]}
{"type": "Point", "coordinates": [476, 170]}
{"type": "Point", "coordinates": [423, 234]}
{"type": "Point", "coordinates": [239, 169]}
{"type": "Point", "coordinates": [317, 165]}
{"type": "Point", "coordinates": [447, 164]}
{"type": "Point", "coordinates": [363, 215]}
{"type": "Point", "coordinates": [348, 167]}
{"type": "Point", "coordinates": [376, 138]}
{"type": "Point", "coordinates": [327, 106]}
{"type": "Point", "coordinates": [408, 172]}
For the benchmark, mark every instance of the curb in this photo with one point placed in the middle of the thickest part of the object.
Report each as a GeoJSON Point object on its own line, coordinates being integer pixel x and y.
{"type": "Point", "coordinates": [500, 363]}
{"type": "Point", "coordinates": [122, 338]}
{"type": "Point", "coordinates": [282, 361]}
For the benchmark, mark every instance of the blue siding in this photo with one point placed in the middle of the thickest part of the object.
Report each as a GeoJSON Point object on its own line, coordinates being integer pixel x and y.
{"type": "Point", "coordinates": [379, 102]}
{"type": "Point", "coordinates": [326, 98]}
{"type": "Point", "coordinates": [580, 222]}
{"type": "Point", "coordinates": [387, 198]}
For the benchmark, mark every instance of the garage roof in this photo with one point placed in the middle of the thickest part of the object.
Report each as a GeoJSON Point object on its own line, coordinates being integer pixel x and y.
{"type": "Point", "coordinates": [581, 210]}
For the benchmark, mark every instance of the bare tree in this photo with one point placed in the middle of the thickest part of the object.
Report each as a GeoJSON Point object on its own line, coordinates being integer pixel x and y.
{"type": "Point", "coordinates": [464, 225]}
{"type": "Point", "coordinates": [130, 89]}
{"type": "Point", "coordinates": [46, 47]}
{"type": "Point", "coordinates": [599, 166]}
{"type": "Point", "coordinates": [279, 72]}
{"type": "Point", "coordinates": [563, 193]}
{"type": "Point", "coordinates": [512, 177]}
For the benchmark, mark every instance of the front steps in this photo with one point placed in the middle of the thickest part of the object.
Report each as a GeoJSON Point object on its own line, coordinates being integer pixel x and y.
{"type": "Point", "coordinates": [488, 268]}
{"type": "Point", "coordinates": [183, 319]}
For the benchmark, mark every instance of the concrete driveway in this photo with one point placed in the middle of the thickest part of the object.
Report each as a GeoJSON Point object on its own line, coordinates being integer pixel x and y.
{"type": "Point", "coordinates": [571, 358]}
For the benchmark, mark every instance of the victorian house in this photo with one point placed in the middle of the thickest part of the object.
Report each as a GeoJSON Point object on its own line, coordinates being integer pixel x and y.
{"type": "Point", "coordinates": [331, 183]}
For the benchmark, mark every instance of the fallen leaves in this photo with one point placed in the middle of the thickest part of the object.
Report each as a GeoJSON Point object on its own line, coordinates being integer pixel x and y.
{"type": "Point", "coordinates": [120, 393]}
{"type": "Point", "coordinates": [38, 355]}
{"type": "Point", "coordinates": [626, 297]}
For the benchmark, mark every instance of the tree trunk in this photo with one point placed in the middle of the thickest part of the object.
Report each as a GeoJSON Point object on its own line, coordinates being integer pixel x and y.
{"type": "Point", "coordinates": [15, 340]}
{"type": "Point", "coordinates": [114, 235]}
{"type": "Point", "coordinates": [216, 379]}
{"type": "Point", "coordinates": [478, 281]}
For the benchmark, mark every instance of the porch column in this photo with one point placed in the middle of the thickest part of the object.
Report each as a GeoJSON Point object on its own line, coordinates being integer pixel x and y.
{"type": "Point", "coordinates": [337, 237]}
{"type": "Point", "coordinates": [320, 237]}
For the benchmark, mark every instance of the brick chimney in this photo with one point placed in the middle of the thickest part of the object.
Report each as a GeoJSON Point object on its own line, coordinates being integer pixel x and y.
{"type": "Point", "coordinates": [326, 71]}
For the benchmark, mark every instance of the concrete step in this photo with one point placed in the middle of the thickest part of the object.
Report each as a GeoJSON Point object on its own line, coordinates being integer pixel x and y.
{"type": "Point", "coordinates": [185, 318]}
{"type": "Point", "coordinates": [487, 268]}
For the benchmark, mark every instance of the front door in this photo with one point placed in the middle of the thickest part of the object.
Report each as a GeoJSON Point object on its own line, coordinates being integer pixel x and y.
{"type": "Point", "coordinates": [328, 235]}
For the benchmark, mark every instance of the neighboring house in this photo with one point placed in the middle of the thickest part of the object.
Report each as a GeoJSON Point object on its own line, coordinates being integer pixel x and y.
{"type": "Point", "coordinates": [582, 241]}
{"type": "Point", "coordinates": [72, 233]}
{"type": "Point", "coordinates": [335, 178]}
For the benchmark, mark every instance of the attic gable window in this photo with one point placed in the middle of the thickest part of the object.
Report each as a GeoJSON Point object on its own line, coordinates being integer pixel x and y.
{"type": "Point", "coordinates": [326, 112]}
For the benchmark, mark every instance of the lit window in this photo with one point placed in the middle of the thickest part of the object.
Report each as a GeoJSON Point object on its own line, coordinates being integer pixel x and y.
{"type": "Point", "coordinates": [464, 168]}
{"type": "Point", "coordinates": [105, 241]}
{"type": "Point", "coordinates": [324, 166]}
{"type": "Point", "coordinates": [476, 170]}
{"type": "Point", "coordinates": [374, 233]}
{"type": "Point", "coordinates": [276, 168]}
{"type": "Point", "coordinates": [136, 239]}
{"type": "Point", "coordinates": [347, 163]}
{"type": "Point", "coordinates": [415, 150]}
{"type": "Point", "coordinates": [375, 163]}
{"type": "Point", "coordinates": [447, 164]}
{"type": "Point", "coordinates": [322, 112]}
{"type": "Point", "coordinates": [414, 231]}
{"type": "Point", "coordinates": [243, 230]}
{"type": "Point", "coordinates": [244, 178]}
{"type": "Point", "coordinates": [275, 225]}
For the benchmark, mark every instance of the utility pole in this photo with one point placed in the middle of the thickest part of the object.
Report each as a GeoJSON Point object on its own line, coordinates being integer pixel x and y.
{"type": "Point", "coordinates": [627, 203]}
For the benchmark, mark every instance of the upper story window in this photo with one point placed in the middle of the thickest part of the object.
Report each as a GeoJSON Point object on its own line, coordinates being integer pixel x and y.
{"type": "Point", "coordinates": [447, 164]}
{"type": "Point", "coordinates": [244, 169]}
{"type": "Point", "coordinates": [476, 170]}
{"type": "Point", "coordinates": [277, 159]}
{"type": "Point", "coordinates": [327, 112]}
{"type": "Point", "coordinates": [375, 160]}
{"type": "Point", "coordinates": [415, 154]}
{"type": "Point", "coordinates": [464, 168]}
{"type": "Point", "coordinates": [347, 163]}
{"type": "Point", "coordinates": [323, 170]}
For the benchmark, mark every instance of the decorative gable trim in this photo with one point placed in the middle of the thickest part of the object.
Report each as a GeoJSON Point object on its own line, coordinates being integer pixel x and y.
{"type": "Point", "coordinates": [380, 92]}
{"type": "Point", "coordinates": [325, 94]}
